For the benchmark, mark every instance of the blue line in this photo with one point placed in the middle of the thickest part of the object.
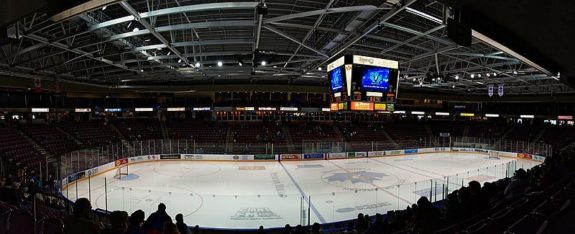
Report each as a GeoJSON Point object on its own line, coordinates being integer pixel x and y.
{"type": "Point", "coordinates": [315, 211]}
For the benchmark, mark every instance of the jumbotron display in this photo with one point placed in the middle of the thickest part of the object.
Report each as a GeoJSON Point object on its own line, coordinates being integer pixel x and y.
{"type": "Point", "coordinates": [360, 83]}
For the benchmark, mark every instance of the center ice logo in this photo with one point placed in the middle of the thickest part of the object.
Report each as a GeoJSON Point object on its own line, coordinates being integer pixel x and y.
{"type": "Point", "coordinates": [355, 177]}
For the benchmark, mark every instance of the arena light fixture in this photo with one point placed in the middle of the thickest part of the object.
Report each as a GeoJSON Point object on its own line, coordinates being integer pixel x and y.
{"type": "Point", "coordinates": [418, 113]}
{"type": "Point", "coordinates": [319, 68]}
{"type": "Point", "coordinates": [514, 72]}
{"type": "Point", "coordinates": [136, 29]}
{"type": "Point", "coordinates": [442, 113]}
{"type": "Point", "coordinates": [456, 77]}
{"type": "Point", "coordinates": [424, 15]}
{"type": "Point", "coordinates": [240, 64]}
{"type": "Point", "coordinates": [198, 64]}
{"type": "Point", "coordinates": [527, 116]}
{"type": "Point", "coordinates": [487, 75]}
{"type": "Point", "coordinates": [180, 60]}
{"type": "Point", "coordinates": [263, 63]}
{"type": "Point", "coordinates": [220, 63]}
{"type": "Point", "coordinates": [104, 8]}
{"type": "Point", "coordinates": [472, 76]}
{"type": "Point", "coordinates": [478, 75]}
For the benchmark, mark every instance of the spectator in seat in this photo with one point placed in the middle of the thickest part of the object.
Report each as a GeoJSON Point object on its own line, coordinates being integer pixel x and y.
{"type": "Point", "coordinates": [182, 227]}
{"type": "Point", "coordinates": [170, 228]}
{"type": "Point", "coordinates": [315, 228]}
{"type": "Point", "coordinates": [155, 222]}
{"type": "Point", "coordinates": [119, 223]}
{"type": "Point", "coordinates": [80, 221]}
{"type": "Point", "coordinates": [136, 221]}
{"type": "Point", "coordinates": [516, 188]}
{"type": "Point", "coordinates": [426, 218]}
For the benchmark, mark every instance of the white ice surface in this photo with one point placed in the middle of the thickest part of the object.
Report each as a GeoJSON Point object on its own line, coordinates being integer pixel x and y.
{"type": "Point", "coordinates": [250, 194]}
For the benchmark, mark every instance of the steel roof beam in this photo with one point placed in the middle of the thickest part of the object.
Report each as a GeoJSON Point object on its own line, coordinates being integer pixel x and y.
{"type": "Point", "coordinates": [278, 32]}
{"type": "Point", "coordinates": [420, 34]}
{"type": "Point", "coordinates": [176, 10]}
{"type": "Point", "coordinates": [321, 12]}
{"type": "Point", "coordinates": [309, 33]}
{"type": "Point", "coordinates": [152, 30]}
{"type": "Point", "coordinates": [414, 38]}
{"type": "Point", "coordinates": [367, 30]}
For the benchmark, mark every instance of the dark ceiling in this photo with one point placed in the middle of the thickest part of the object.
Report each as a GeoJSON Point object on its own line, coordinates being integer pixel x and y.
{"type": "Point", "coordinates": [138, 43]}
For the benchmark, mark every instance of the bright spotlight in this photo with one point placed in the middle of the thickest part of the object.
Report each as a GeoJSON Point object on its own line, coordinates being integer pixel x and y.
{"type": "Point", "coordinates": [220, 63]}
{"type": "Point", "coordinates": [240, 64]}
{"type": "Point", "coordinates": [179, 61]}
{"type": "Point", "coordinates": [319, 69]}
{"type": "Point", "coordinates": [514, 72]}
{"type": "Point", "coordinates": [135, 30]}
{"type": "Point", "coordinates": [263, 63]}
{"type": "Point", "coordinates": [487, 74]}
{"type": "Point", "coordinates": [478, 75]}
{"type": "Point", "coordinates": [198, 64]}
{"type": "Point", "coordinates": [104, 8]}
{"type": "Point", "coordinates": [472, 76]}
{"type": "Point", "coordinates": [456, 77]}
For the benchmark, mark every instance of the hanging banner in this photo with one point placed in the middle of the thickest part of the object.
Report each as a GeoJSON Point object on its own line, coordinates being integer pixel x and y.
{"type": "Point", "coordinates": [490, 90]}
{"type": "Point", "coordinates": [37, 85]}
{"type": "Point", "coordinates": [500, 90]}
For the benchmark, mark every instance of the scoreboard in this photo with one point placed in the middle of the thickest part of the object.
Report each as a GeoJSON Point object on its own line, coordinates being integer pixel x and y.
{"type": "Point", "coordinates": [360, 83]}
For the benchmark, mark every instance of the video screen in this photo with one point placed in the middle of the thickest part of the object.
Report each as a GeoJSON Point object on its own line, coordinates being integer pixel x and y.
{"type": "Point", "coordinates": [375, 79]}
{"type": "Point", "coordinates": [336, 79]}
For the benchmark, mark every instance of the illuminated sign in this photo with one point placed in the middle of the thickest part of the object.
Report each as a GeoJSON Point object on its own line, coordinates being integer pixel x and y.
{"type": "Point", "coordinates": [380, 106]}
{"type": "Point", "coordinates": [362, 106]}
{"type": "Point", "coordinates": [399, 112]}
{"type": "Point", "coordinates": [174, 109]}
{"type": "Point", "coordinates": [283, 108]}
{"type": "Point", "coordinates": [337, 63]}
{"type": "Point", "coordinates": [467, 114]}
{"type": "Point", "coordinates": [418, 113]}
{"type": "Point", "coordinates": [40, 110]}
{"type": "Point", "coordinates": [247, 108]}
{"type": "Point", "coordinates": [492, 115]}
{"type": "Point", "coordinates": [527, 116]}
{"type": "Point", "coordinates": [565, 117]}
{"type": "Point", "coordinates": [82, 110]}
{"type": "Point", "coordinates": [333, 106]}
{"type": "Point", "coordinates": [373, 94]}
{"type": "Point", "coordinates": [340, 106]}
{"type": "Point", "coordinates": [336, 94]}
{"type": "Point", "coordinates": [144, 109]}
{"type": "Point", "coordinates": [267, 108]}
{"type": "Point", "coordinates": [442, 113]}
{"type": "Point", "coordinates": [201, 108]}
{"type": "Point", "coordinates": [326, 109]}
{"type": "Point", "coordinates": [113, 110]}
{"type": "Point", "coordinates": [357, 59]}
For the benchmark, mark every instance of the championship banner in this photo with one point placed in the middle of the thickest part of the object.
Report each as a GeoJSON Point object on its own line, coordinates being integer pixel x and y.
{"type": "Point", "coordinates": [490, 90]}
{"type": "Point", "coordinates": [500, 90]}
{"type": "Point", "coordinates": [121, 161]}
{"type": "Point", "coordinates": [37, 85]}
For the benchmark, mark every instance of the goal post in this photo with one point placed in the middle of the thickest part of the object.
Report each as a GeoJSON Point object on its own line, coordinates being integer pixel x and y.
{"type": "Point", "coordinates": [121, 168]}
{"type": "Point", "coordinates": [493, 154]}
{"type": "Point", "coordinates": [121, 171]}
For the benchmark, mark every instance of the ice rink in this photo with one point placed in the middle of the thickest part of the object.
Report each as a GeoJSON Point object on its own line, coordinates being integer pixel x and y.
{"type": "Point", "coordinates": [250, 194]}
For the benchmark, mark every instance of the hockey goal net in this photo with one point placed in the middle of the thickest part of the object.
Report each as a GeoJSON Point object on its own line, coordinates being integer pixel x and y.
{"type": "Point", "coordinates": [493, 154]}
{"type": "Point", "coordinates": [121, 171]}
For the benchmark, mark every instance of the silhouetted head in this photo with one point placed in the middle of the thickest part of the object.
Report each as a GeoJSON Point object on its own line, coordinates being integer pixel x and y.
{"type": "Point", "coordinates": [162, 207]}
{"type": "Point", "coordinates": [179, 218]}
{"type": "Point", "coordinates": [82, 207]}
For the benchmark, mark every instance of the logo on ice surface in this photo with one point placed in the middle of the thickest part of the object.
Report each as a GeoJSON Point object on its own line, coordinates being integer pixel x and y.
{"type": "Point", "coordinates": [255, 214]}
{"type": "Point", "coordinates": [354, 177]}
